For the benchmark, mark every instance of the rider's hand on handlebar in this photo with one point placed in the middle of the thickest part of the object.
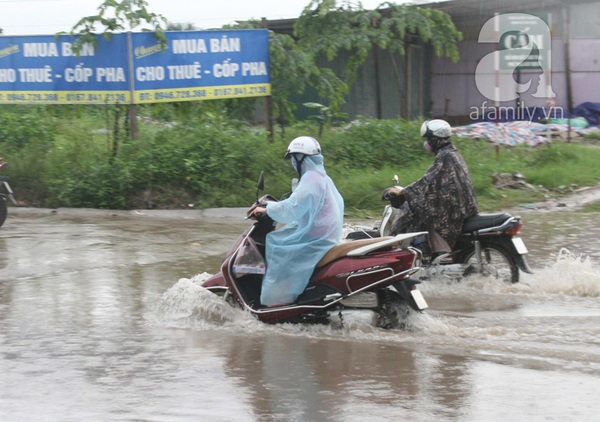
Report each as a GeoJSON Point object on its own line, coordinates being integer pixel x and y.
{"type": "Point", "coordinates": [395, 195]}
{"type": "Point", "coordinates": [257, 212]}
{"type": "Point", "coordinates": [395, 191]}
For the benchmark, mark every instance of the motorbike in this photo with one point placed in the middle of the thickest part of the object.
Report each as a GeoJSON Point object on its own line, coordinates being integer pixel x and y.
{"type": "Point", "coordinates": [367, 281]}
{"type": "Point", "coordinates": [5, 193]}
{"type": "Point", "coordinates": [488, 246]}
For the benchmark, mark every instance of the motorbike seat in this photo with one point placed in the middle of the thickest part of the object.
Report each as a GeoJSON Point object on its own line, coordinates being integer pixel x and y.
{"type": "Point", "coordinates": [484, 221]}
{"type": "Point", "coordinates": [342, 249]}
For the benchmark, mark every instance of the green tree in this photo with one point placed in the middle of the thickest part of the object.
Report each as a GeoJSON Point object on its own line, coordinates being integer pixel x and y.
{"type": "Point", "coordinates": [327, 30]}
{"type": "Point", "coordinates": [293, 70]}
{"type": "Point", "coordinates": [114, 16]}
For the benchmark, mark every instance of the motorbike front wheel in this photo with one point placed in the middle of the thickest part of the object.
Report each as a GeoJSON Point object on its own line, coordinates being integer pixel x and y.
{"type": "Point", "coordinates": [2, 210]}
{"type": "Point", "coordinates": [496, 263]}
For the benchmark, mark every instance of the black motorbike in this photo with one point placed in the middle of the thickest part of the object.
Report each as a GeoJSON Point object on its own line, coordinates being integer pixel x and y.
{"type": "Point", "coordinates": [489, 245]}
{"type": "Point", "coordinates": [5, 193]}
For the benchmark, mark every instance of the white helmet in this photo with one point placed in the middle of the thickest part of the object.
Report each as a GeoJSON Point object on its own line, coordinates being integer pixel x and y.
{"type": "Point", "coordinates": [438, 128]}
{"type": "Point", "coordinates": [303, 145]}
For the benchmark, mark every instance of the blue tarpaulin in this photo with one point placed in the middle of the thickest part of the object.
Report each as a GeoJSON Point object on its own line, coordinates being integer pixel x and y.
{"type": "Point", "coordinates": [591, 112]}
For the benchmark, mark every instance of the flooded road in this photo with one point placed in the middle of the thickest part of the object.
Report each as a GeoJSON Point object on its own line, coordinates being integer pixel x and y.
{"type": "Point", "coordinates": [101, 319]}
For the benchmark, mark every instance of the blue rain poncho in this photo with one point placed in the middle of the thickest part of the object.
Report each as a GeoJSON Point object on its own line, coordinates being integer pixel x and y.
{"type": "Point", "coordinates": [313, 216]}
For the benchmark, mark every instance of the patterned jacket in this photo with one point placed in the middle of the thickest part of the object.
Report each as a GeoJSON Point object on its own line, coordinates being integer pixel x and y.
{"type": "Point", "coordinates": [443, 198]}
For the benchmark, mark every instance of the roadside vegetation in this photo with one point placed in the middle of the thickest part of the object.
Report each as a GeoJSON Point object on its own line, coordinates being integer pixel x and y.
{"type": "Point", "coordinates": [208, 154]}
{"type": "Point", "coordinates": [593, 207]}
{"type": "Point", "coordinates": [64, 156]}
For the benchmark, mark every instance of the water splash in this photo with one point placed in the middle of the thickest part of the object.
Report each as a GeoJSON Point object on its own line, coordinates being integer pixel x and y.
{"type": "Point", "coordinates": [188, 305]}
{"type": "Point", "coordinates": [570, 275]}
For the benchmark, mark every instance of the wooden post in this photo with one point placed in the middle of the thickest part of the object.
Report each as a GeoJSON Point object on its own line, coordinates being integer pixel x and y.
{"type": "Point", "coordinates": [269, 101]}
{"type": "Point", "coordinates": [133, 121]}
{"type": "Point", "coordinates": [566, 39]}
{"type": "Point", "coordinates": [132, 112]}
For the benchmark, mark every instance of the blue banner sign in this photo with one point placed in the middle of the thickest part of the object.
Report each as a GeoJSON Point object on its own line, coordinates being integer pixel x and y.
{"type": "Point", "coordinates": [134, 68]}
{"type": "Point", "coordinates": [45, 70]}
{"type": "Point", "coordinates": [201, 65]}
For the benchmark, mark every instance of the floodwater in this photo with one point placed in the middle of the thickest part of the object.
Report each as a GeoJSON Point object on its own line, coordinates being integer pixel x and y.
{"type": "Point", "coordinates": [101, 319]}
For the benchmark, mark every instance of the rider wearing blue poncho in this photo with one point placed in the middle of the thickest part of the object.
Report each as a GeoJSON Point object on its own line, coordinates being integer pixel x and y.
{"type": "Point", "coordinates": [313, 216]}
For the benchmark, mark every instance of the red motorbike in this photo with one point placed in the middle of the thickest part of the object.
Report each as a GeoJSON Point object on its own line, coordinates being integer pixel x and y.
{"type": "Point", "coordinates": [366, 281]}
{"type": "Point", "coordinates": [5, 192]}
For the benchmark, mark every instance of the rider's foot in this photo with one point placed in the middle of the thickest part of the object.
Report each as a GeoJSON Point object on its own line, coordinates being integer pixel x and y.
{"type": "Point", "coordinates": [438, 257]}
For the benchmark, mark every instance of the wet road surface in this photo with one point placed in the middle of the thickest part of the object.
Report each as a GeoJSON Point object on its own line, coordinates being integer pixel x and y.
{"type": "Point", "coordinates": [101, 318]}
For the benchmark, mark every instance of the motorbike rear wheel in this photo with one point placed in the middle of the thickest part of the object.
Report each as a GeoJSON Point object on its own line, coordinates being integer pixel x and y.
{"type": "Point", "coordinates": [395, 312]}
{"type": "Point", "coordinates": [497, 263]}
{"type": "Point", "coordinates": [2, 210]}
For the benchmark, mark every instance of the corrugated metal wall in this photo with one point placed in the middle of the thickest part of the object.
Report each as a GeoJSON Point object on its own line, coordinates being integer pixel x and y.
{"type": "Point", "coordinates": [454, 85]}
{"type": "Point", "coordinates": [380, 89]}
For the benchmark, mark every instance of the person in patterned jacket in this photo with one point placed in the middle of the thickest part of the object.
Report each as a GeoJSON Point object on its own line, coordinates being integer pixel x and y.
{"type": "Point", "coordinates": [442, 199]}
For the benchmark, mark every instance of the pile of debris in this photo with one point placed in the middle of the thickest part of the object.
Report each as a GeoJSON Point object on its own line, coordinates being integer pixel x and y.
{"type": "Point", "coordinates": [514, 180]}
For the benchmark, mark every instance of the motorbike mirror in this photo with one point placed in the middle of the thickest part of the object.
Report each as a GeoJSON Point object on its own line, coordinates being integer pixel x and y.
{"type": "Point", "coordinates": [261, 183]}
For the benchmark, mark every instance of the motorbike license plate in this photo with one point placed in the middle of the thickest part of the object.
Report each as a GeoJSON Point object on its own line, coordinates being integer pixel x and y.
{"type": "Point", "coordinates": [519, 245]}
{"type": "Point", "coordinates": [419, 299]}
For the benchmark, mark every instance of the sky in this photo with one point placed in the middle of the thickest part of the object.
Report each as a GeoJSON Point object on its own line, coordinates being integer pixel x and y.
{"type": "Point", "coordinates": [47, 17]}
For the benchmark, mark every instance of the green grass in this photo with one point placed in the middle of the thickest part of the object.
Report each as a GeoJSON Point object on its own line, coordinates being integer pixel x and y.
{"type": "Point", "coordinates": [548, 168]}
{"type": "Point", "coordinates": [593, 207]}
{"type": "Point", "coordinates": [62, 157]}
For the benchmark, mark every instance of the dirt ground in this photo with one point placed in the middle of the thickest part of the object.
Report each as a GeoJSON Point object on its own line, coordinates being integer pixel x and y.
{"type": "Point", "coordinates": [571, 202]}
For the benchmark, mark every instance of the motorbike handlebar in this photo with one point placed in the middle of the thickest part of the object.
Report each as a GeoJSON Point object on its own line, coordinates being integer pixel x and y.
{"type": "Point", "coordinates": [262, 202]}
{"type": "Point", "coordinates": [249, 215]}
